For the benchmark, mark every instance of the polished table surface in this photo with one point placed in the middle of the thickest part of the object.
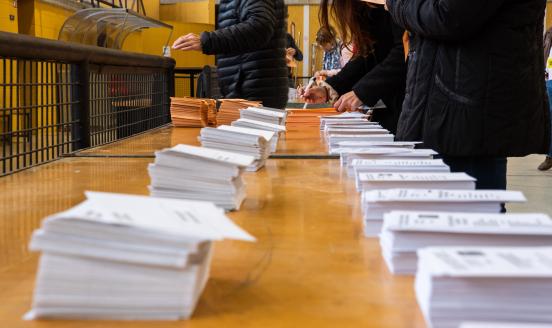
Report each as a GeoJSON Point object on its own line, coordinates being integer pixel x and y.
{"type": "Point", "coordinates": [311, 266]}
{"type": "Point", "coordinates": [306, 142]}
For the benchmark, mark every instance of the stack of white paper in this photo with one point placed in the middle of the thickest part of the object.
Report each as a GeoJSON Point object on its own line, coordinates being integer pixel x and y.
{"type": "Point", "coordinates": [363, 130]}
{"type": "Point", "coordinates": [334, 139]}
{"type": "Point", "coordinates": [344, 145]}
{"type": "Point", "coordinates": [426, 180]}
{"type": "Point", "coordinates": [404, 233]}
{"type": "Point", "coordinates": [378, 202]}
{"type": "Point", "coordinates": [240, 140]}
{"type": "Point", "coordinates": [127, 258]}
{"type": "Point", "coordinates": [348, 155]}
{"type": "Point", "coordinates": [454, 285]}
{"type": "Point", "coordinates": [398, 165]}
{"type": "Point", "coordinates": [271, 116]}
{"type": "Point", "coordinates": [351, 117]}
{"type": "Point", "coordinates": [199, 173]}
{"type": "Point", "coordinates": [252, 124]}
{"type": "Point", "coordinates": [350, 124]}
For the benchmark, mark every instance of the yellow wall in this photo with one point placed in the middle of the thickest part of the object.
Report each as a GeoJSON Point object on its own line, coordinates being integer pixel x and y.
{"type": "Point", "coordinates": [45, 20]}
{"type": "Point", "coordinates": [202, 12]}
{"type": "Point", "coordinates": [152, 8]}
{"type": "Point", "coordinates": [296, 15]}
{"type": "Point", "coordinates": [548, 15]}
{"type": "Point", "coordinates": [48, 20]}
{"type": "Point", "coordinates": [7, 9]}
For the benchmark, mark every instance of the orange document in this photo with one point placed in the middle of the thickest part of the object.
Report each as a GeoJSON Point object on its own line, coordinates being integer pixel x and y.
{"type": "Point", "coordinates": [229, 110]}
{"type": "Point", "coordinates": [189, 112]}
{"type": "Point", "coordinates": [302, 118]}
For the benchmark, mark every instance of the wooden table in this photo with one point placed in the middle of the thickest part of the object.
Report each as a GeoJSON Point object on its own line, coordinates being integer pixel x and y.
{"type": "Point", "coordinates": [311, 266]}
{"type": "Point", "coordinates": [307, 142]}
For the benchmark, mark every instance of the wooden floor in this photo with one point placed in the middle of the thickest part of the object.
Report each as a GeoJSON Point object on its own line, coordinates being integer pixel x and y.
{"type": "Point", "coordinates": [311, 266]}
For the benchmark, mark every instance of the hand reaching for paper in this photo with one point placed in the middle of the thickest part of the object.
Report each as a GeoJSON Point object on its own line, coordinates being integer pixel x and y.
{"type": "Point", "coordinates": [315, 95]}
{"type": "Point", "coordinates": [190, 41]}
{"type": "Point", "coordinates": [348, 102]}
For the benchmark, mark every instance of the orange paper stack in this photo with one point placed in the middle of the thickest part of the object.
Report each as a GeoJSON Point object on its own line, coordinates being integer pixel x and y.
{"type": "Point", "coordinates": [229, 110]}
{"type": "Point", "coordinates": [189, 112]}
{"type": "Point", "coordinates": [304, 118]}
{"type": "Point", "coordinates": [211, 111]}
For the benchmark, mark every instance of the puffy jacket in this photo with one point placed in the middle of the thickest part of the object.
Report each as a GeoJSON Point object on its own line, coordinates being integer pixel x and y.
{"type": "Point", "coordinates": [475, 81]}
{"type": "Point", "coordinates": [250, 47]}
{"type": "Point", "coordinates": [381, 74]}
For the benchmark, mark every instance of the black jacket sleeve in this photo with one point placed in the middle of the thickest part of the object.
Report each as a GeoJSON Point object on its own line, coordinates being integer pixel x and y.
{"type": "Point", "coordinates": [370, 80]}
{"type": "Point", "coordinates": [350, 74]}
{"type": "Point", "coordinates": [256, 27]}
{"type": "Point", "coordinates": [386, 77]}
{"type": "Point", "coordinates": [443, 19]}
{"type": "Point", "coordinates": [291, 44]}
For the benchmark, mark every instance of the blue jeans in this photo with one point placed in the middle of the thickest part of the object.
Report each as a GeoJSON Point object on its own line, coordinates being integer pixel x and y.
{"type": "Point", "coordinates": [549, 88]}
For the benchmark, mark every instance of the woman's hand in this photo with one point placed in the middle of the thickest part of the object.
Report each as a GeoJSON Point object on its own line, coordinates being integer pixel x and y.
{"type": "Point", "coordinates": [321, 73]}
{"type": "Point", "coordinates": [190, 41]}
{"type": "Point", "coordinates": [348, 101]}
{"type": "Point", "coordinates": [316, 95]}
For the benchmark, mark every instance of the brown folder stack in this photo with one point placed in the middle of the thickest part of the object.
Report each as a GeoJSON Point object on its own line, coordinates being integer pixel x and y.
{"type": "Point", "coordinates": [229, 110]}
{"type": "Point", "coordinates": [189, 112]}
{"type": "Point", "coordinates": [303, 118]}
{"type": "Point", "coordinates": [211, 112]}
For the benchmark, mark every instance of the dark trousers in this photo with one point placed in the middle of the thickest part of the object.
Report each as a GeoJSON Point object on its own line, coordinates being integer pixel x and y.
{"type": "Point", "coordinates": [490, 172]}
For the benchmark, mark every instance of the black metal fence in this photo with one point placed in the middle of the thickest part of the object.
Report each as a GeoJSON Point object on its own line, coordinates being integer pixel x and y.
{"type": "Point", "coordinates": [57, 98]}
{"type": "Point", "coordinates": [186, 81]}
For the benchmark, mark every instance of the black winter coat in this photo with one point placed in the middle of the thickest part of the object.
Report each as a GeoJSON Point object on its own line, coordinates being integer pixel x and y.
{"type": "Point", "coordinates": [381, 74]}
{"type": "Point", "coordinates": [475, 82]}
{"type": "Point", "coordinates": [250, 47]}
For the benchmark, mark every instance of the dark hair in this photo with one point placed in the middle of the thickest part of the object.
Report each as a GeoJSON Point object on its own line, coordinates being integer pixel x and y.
{"type": "Point", "coordinates": [351, 19]}
{"type": "Point", "coordinates": [326, 34]}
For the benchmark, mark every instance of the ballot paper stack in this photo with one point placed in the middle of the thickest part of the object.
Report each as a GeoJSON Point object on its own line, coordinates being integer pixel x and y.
{"type": "Point", "coordinates": [301, 119]}
{"type": "Point", "coordinates": [252, 124]}
{"type": "Point", "coordinates": [127, 257]}
{"type": "Point", "coordinates": [333, 140]}
{"type": "Point", "coordinates": [189, 112]}
{"type": "Point", "coordinates": [264, 114]}
{"type": "Point", "coordinates": [211, 111]}
{"type": "Point", "coordinates": [346, 118]}
{"type": "Point", "coordinates": [229, 109]}
{"type": "Point", "coordinates": [507, 284]}
{"type": "Point", "coordinates": [348, 155]}
{"type": "Point", "coordinates": [403, 233]}
{"type": "Point", "coordinates": [366, 130]}
{"type": "Point", "coordinates": [349, 145]}
{"type": "Point", "coordinates": [199, 173]}
{"type": "Point", "coordinates": [366, 181]}
{"type": "Point", "coordinates": [398, 165]}
{"type": "Point", "coordinates": [376, 203]}
{"type": "Point", "coordinates": [245, 141]}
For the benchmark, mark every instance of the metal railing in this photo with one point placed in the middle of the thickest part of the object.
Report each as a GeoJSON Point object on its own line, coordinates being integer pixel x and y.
{"type": "Point", "coordinates": [58, 97]}
{"type": "Point", "coordinates": [185, 81]}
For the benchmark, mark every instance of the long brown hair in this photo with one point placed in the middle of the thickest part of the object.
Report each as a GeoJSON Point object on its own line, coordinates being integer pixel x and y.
{"type": "Point", "coordinates": [350, 19]}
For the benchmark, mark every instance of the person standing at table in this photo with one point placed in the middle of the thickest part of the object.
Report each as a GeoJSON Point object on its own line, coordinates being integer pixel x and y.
{"type": "Point", "coordinates": [475, 85]}
{"type": "Point", "coordinates": [336, 54]}
{"type": "Point", "coordinates": [293, 54]}
{"type": "Point", "coordinates": [377, 72]}
{"type": "Point", "coordinates": [250, 48]}
{"type": "Point", "coordinates": [547, 163]}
